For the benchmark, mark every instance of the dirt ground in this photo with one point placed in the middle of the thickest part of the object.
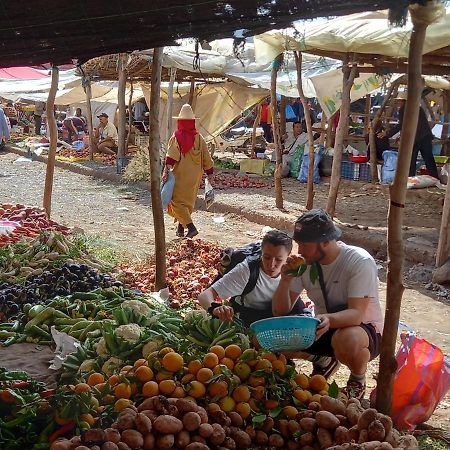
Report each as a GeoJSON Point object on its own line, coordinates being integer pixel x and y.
{"type": "Point", "coordinates": [122, 214]}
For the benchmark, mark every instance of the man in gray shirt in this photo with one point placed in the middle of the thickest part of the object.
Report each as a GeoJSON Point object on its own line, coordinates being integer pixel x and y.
{"type": "Point", "coordinates": [345, 297]}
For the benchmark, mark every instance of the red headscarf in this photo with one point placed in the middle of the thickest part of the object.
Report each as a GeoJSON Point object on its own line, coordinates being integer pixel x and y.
{"type": "Point", "coordinates": [185, 134]}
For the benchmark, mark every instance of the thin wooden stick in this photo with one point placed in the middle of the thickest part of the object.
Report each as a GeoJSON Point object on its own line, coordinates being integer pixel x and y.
{"type": "Point", "coordinates": [255, 126]}
{"type": "Point", "coordinates": [53, 136]}
{"type": "Point", "coordinates": [130, 114]}
{"type": "Point", "coordinates": [122, 107]}
{"type": "Point", "coordinates": [173, 74]}
{"type": "Point", "coordinates": [88, 91]}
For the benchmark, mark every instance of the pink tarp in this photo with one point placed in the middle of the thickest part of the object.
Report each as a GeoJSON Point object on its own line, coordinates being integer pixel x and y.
{"type": "Point", "coordinates": [21, 73]}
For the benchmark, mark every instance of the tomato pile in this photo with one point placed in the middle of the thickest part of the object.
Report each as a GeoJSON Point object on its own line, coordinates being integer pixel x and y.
{"type": "Point", "coordinates": [226, 180]}
{"type": "Point", "coordinates": [191, 267]}
{"type": "Point", "coordinates": [31, 222]}
{"type": "Point", "coordinates": [70, 153]}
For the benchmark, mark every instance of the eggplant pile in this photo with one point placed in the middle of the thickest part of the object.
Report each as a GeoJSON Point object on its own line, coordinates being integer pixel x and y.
{"type": "Point", "coordinates": [67, 279]}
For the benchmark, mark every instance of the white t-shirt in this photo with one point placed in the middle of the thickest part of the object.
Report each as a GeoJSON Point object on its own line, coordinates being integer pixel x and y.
{"type": "Point", "coordinates": [109, 131]}
{"type": "Point", "coordinates": [353, 274]}
{"type": "Point", "coordinates": [234, 282]}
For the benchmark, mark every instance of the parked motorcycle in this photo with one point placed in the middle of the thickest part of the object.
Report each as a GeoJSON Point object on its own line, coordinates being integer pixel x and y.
{"type": "Point", "coordinates": [238, 139]}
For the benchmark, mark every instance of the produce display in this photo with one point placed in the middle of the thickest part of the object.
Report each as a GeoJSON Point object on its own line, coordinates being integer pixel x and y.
{"type": "Point", "coordinates": [226, 180]}
{"type": "Point", "coordinates": [72, 154]}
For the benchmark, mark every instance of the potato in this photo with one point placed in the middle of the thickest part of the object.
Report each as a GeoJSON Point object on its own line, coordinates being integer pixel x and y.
{"type": "Point", "coordinates": [372, 445]}
{"type": "Point", "coordinates": [363, 436]}
{"type": "Point", "coordinates": [353, 434]}
{"type": "Point", "coordinates": [96, 447]}
{"type": "Point", "coordinates": [205, 430]}
{"type": "Point", "coordinates": [151, 403]}
{"type": "Point", "coordinates": [143, 423]}
{"type": "Point", "coordinates": [191, 421]}
{"type": "Point", "coordinates": [242, 440]}
{"type": "Point", "coordinates": [294, 426]}
{"type": "Point", "coordinates": [275, 440]}
{"type": "Point", "coordinates": [342, 420]}
{"type": "Point", "coordinates": [124, 422]}
{"type": "Point", "coordinates": [236, 419]}
{"type": "Point", "coordinates": [93, 436]}
{"type": "Point", "coordinates": [353, 401]}
{"type": "Point", "coordinates": [306, 439]}
{"type": "Point", "coordinates": [250, 431]}
{"type": "Point", "coordinates": [165, 442]}
{"type": "Point", "coordinates": [325, 419]}
{"type": "Point", "coordinates": [325, 438]}
{"type": "Point", "coordinates": [167, 424]}
{"type": "Point", "coordinates": [384, 446]}
{"type": "Point", "coordinates": [185, 406]}
{"type": "Point", "coordinates": [128, 410]}
{"type": "Point", "coordinates": [393, 437]}
{"type": "Point", "coordinates": [218, 435]}
{"type": "Point", "coordinates": [76, 440]}
{"type": "Point", "coordinates": [306, 413]}
{"type": "Point", "coordinates": [61, 444]}
{"type": "Point", "coordinates": [261, 438]}
{"type": "Point", "coordinates": [308, 424]}
{"type": "Point", "coordinates": [123, 446]}
{"type": "Point", "coordinates": [229, 443]}
{"type": "Point", "coordinates": [219, 417]}
{"type": "Point", "coordinates": [376, 431]}
{"type": "Point", "coordinates": [197, 438]}
{"type": "Point", "coordinates": [204, 415]}
{"type": "Point", "coordinates": [314, 406]}
{"type": "Point", "coordinates": [408, 441]}
{"type": "Point", "coordinates": [149, 441]}
{"type": "Point", "coordinates": [112, 435]}
{"type": "Point", "coordinates": [386, 421]}
{"type": "Point", "coordinates": [82, 447]}
{"type": "Point", "coordinates": [182, 439]}
{"type": "Point", "coordinates": [353, 413]}
{"type": "Point", "coordinates": [341, 435]}
{"type": "Point", "coordinates": [332, 405]}
{"type": "Point", "coordinates": [367, 417]}
{"type": "Point", "coordinates": [197, 446]}
{"type": "Point", "coordinates": [293, 445]}
{"type": "Point", "coordinates": [109, 446]}
{"type": "Point", "coordinates": [268, 424]}
{"type": "Point", "coordinates": [283, 427]}
{"type": "Point", "coordinates": [132, 438]}
{"type": "Point", "coordinates": [307, 447]}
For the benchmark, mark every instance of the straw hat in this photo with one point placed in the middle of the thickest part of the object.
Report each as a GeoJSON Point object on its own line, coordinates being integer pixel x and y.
{"type": "Point", "coordinates": [186, 113]}
{"type": "Point", "coordinates": [401, 95]}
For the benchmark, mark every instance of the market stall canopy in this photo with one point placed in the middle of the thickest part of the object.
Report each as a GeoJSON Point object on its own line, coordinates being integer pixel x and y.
{"type": "Point", "coordinates": [47, 31]}
{"type": "Point", "coordinates": [20, 73]}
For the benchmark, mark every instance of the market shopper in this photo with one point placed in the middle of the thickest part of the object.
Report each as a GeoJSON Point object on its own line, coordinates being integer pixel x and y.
{"type": "Point", "coordinates": [256, 304]}
{"type": "Point", "coordinates": [39, 108]}
{"type": "Point", "coordinates": [105, 137]}
{"type": "Point", "coordinates": [294, 140]}
{"type": "Point", "coordinates": [79, 114]}
{"type": "Point", "coordinates": [265, 120]}
{"type": "Point", "coordinates": [345, 298]}
{"type": "Point", "coordinates": [4, 129]}
{"type": "Point", "coordinates": [74, 125]}
{"type": "Point", "coordinates": [188, 157]}
{"type": "Point", "coordinates": [423, 141]}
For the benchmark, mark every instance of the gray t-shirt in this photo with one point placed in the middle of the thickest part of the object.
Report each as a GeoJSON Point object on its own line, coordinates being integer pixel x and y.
{"type": "Point", "coordinates": [234, 282]}
{"type": "Point", "coordinates": [353, 274]}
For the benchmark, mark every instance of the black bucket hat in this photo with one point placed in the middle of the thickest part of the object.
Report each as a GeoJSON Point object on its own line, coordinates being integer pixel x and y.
{"type": "Point", "coordinates": [315, 226]}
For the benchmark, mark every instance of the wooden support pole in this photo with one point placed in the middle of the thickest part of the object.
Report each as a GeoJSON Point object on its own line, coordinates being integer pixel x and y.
{"type": "Point", "coordinates": [276, 64]}
{"type": "Point", "coordinates": [155, 170]}
{"type": "Point", "coordinates": [397, 190]}
{"type": "Point", "coordinates": [323, 132]}
{"type": "Point", "coordinates": [283, 105]}
{"type": "Point", "coordinates": [444, 135]}
{"type": "Point", "coordinates": [329, 136]}
{"type": "Point", "coordinates": [310, 184]}
{"type": "Point", "coordinates": [342, 130]}
{"type": "Point", "coordinates": [443, 249]}
{"type": "Point", "coordinates": [255, 126]}
{"type": "Point", "coordinates": [122, 107]}
{"type": "Point", "coordinates": [130, 114]}
{"type": "Point", "coordinates": [88, 91]}
{"type": "Point", "coordinates": [192, 92]}
{"type": "Point", "coordinates": [367, 114]}
{"type": "Point", "coordinates": [53, 137]}
{"type": "Point", "coordinates": [173, 74]}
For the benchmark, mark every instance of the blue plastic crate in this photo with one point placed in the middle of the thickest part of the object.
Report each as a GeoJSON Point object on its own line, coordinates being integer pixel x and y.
{"type": "Point", "coordinates": [355, 171]}
{"type": "Point", "coordinates": [364, 172]}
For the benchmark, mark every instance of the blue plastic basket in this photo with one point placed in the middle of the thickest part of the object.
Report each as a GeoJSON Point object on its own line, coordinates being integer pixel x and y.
{"type": "Point", "coordinates": [286, 334]}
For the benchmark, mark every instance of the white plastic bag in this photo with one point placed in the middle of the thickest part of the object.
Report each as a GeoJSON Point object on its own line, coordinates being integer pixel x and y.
{"type": "Point", "coordinates": [209, 194]}
{"type": "Point", "coordinates": [421, 181]}
{"type": "Point", "coordinates": [167, 189]}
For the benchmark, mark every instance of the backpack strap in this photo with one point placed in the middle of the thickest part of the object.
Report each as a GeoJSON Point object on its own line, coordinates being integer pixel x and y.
{"type": "Point", "coordinates": [253, 265]}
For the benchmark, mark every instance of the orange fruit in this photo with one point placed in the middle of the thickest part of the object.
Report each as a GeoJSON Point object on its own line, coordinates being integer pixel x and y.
{"type": "Point", "coordinates": [134, 389]}
{"type": "Point", "coordinates": [204, 374]}
{"type": "Point", "coordinates": [252, 363]}
{"type": "Point", "coordinates": [210, 360]}
{"type": "Point", "coordinates": [113, 380]}
{"type": "Point", "coordinates": [302, 395]}
{"type": "Point", "coordinates": [279, 366]}
{"type": "Point", "coordinates": [270, 404]}
{"type": "Point", "coordinates": [163, 375]}
{"type": "Point", "coordinates": [150, 389]}
{"type": "Point", "coordinates": [258, 392]}
{"type": "Point", "coordinates": [243, 409]}
{"type": "Point", "coordinates": [218, 369]}
{"type": "Point", "coordinates": [290, 412]}
{"type": "Point", "coordinates": [164, 351]}
{"type": "Point", "coordinates": [282, 358]}
{"type": "Point", "coordinates": [324, 392]}
{"type": "Point", "coordinates": [126, 370]}
{"type": "Point", "coordinates": [227, 362]}
{"type": "Point", "coordinates": [187, 378]}
{"type": "Point", "coordinates": [178, 392]}
{"type": "Point", "coordinates": [264, 364]}
{"type": "Point", "coordinates": [166, 387]}
{"type": "Point", "coordinates": [88, 418]}
{"type": "Point", "coordinates": [233, 351]}
{"type": "Point", "coordinates": [60, 421]}
{"type": "Point", "coordinates": [82, 387]}
{"type": "Point", "coordinates": [107, 399]}
{"type": "Point", "coordinates": [302, 380]}
{"type": "Point", "coordinates": [173, 362]}
{"type": "Point", "coordinates": [95, 378]}
{"type": "Point", "coordinates": [256, 381]}
{"type": "Point", "coordinates": [269, 356]}
{"type": "Point", "coordinates": [143, 373]}
{"type": "Point", "coordinates": [196, 389]}
{"type": "Point", "coordinates": [194, 366]}
{"type": "Point", "coordinates": [242, 370]}
{"type": "Point", "coordinates": [253, 405]}
{"type": "Point", "coordinates": [227, 404]}
{"type": "Point", "coordinates": [122, 390]}
{"type": "Point", "coordinates": [318, 383]}
{"type": "Point", "coordinates": [218, 389]}
{"type": "Point", "coordinates": [213, 407]}
{"type": "Point", "coordinates": [218, 350]}
{"type": "Point", "coordinates": [140, 362]}
{"type": "Point", "coordinates": [315, 398]}
{"type": "Point", "coordinates": [249, 354]}
{"type": "Point", "coordinates": [121, 404]}
{"type": "Point", "coordinates": [241, 393]}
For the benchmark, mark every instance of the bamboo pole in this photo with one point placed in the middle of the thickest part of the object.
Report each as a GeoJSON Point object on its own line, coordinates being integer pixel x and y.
{"type": "Point", "coordinates": [276, 132]}
{"type": "Point", "coordinates": [88, 91]}
{"type": "Point", "coordinates": [342, 130]}
{"type": "Point", "coordinates": [255, 126]}
{"type": "Point", "coordinates": [53, 137]}
{"type": "Point", "coordinates": [395, 288]}
{"type": "Point", "coordinates": [173, 74]}
{"type": "Point", "coordinates": [122, 107]}
{"type": "Point", "coordinates": [310, 185]}
{"type": "Point", "coordinates": [130, 114]}
{"type": "Point", "coordinates": [155, 171]}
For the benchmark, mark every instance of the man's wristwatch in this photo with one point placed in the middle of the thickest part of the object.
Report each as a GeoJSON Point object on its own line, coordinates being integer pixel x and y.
{"type": "Point", "coordinates": [213, 306]}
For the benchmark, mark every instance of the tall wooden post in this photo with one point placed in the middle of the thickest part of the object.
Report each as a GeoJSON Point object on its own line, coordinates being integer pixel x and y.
{"type": "Point", "coordinates": [88, 91]}
{"type": "Point", "coordinates": [130, 114]}
{"type": "Point", "coordinates": [342, 130]}
{"type": "Point", "coordinates": [192, 92]}
{"type": "Point", "coordinates": [122, 107]}
{"type": "Point", "coordinates": [53, 136]}
{"type": "Point", "coordinates": [276, 64]}
{"type": "Point", "coordinates": [329, 136]}
{"type": "Point", "coordinates": [443, 249]}
{"type": "Point", "coordinates": [173, 74]}
{"type": "Point", "coordinates": [420, 18]}
{"type": "Point", "coordinates": [283, 104]}
{"type": "Point", "coordinates": [155, 170]}
{"type": "Point", "coordinates": [255, 126]}
{"type": "Point", "coordinates": [323, 132]}
{"type": "Point", "coordinates": [367, 114]}
{"type": "Point", "coordinates": [310, 186]}
{"type": "Point", "coordinates": [444, 135]}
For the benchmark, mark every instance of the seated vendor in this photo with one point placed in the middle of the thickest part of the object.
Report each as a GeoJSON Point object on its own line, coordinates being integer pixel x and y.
{"type": "Point", "coordinates": [74, 125]}
{"type": "Point", "coordinates": [106, 137]}
{"type": "Point", "coordinates": [294, 140]}
{"type": "Point", "coordinates": [381, 143]}
{"type": "Point", "coordinates": [257, 304]}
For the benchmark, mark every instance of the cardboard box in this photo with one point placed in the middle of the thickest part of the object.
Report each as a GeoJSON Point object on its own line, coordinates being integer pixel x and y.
{"type": "Point", "coordinates": [253, 166]}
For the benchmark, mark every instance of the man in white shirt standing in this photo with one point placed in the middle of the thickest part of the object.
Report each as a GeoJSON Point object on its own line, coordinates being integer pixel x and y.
{"type": "Point", "coordinates": [345, 298]}
{"type": "Point", "coordinates": [294, 140]}
{"type": "Point", "coordinates": [106, 137]}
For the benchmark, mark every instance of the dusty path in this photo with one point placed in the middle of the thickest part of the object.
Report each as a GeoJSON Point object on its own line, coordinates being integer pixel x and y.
{"type": "Point", "coordinates": [123, 216]}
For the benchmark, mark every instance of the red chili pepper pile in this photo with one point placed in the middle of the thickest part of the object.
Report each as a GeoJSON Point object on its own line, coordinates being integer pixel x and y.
{"type": "Point", "coordinates": [192, 266]}
{"type": "Point", "coordinates": [32, 221]}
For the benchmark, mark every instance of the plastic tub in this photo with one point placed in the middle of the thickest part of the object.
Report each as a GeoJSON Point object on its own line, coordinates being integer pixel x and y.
{"type": "Point", "coordinates": [359, 159]}
{"type": "Point", "coordinates": [7, 226]}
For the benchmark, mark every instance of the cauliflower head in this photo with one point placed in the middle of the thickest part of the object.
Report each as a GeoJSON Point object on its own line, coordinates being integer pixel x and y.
{"type": "Point", "coordinates": [101, 348]}
{"type": "Point", "coordinates": [154, 345]}
{"type": "Point", "coordinates": [111, 365]}
{"type": "Point", "coordinates": [138, 307]}
{"type": "Point", "coordinates": [87, 365]}
{"type": "Point", "coordinates": [131, 333]}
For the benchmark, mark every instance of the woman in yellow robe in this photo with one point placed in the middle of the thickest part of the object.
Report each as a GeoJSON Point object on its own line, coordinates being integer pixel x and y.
{"type": "Point", "coordinates": [188, 157]}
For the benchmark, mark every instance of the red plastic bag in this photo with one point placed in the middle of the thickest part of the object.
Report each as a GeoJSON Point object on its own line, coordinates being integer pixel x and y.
{"type": "Point", "coordinates": [421, 381]}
